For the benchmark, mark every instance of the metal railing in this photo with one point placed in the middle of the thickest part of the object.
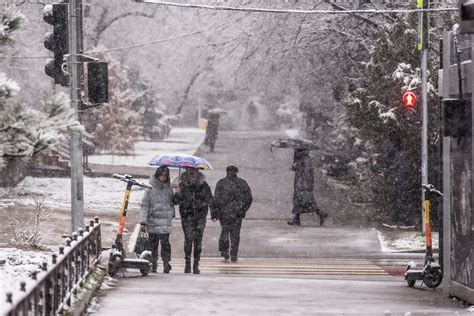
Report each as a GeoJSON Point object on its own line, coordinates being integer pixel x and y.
{"type": "Point", "coordinates": [54, 285]}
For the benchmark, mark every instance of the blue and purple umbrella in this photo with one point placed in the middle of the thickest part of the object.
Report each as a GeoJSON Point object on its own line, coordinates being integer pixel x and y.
{"type": "Point", "coordinates": [180, 161]}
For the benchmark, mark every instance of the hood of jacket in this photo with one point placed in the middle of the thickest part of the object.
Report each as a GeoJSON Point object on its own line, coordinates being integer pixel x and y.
{"type": "Point", "coordinates": [154, 182]}
{"type": "Point", "coordinates": [186, 178]}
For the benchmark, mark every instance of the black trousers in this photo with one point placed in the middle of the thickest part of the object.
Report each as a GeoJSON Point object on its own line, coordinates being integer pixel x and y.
{"type": "Point", "coordinates": [230, 236]}
{"type": "Point", "coordinates": [165, 247]}
{"type": "Point", "coordinates": [193, 229]}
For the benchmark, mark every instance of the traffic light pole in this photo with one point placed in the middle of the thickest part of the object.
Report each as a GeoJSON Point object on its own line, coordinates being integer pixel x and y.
{"type": "Point", "coordinates": [424, 133]}
{"type": "Point", "coordinates": [423, 46]}
{"type": "Point", "coordinates": [76, 151]}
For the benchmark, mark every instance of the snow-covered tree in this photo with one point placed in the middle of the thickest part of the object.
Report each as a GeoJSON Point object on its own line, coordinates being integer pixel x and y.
{"type": "Point", "coordinates": [25, 131]}
{"type": "Point", "coordinates": [374, 108]}
{"type": "Point", "coordinates": [115, 125]}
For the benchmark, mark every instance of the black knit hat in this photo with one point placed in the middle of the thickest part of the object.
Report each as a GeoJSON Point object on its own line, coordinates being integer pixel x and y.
{"type": "Point", "coordinates": [232, 169]}
{"type": "Point", "coordinates": [162, 170]}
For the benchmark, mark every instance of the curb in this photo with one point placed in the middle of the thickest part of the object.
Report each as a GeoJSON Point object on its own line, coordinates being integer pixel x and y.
{"type": "Point", "coordinates": [87, 291]}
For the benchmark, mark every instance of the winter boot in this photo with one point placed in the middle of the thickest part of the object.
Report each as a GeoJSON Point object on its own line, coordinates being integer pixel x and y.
{"type": "Point", "coordinates": [196, 267]}
{"type": "Point", "coordinates": [187, 266]}
{"type": "Point", "coordinates": [295, 220]}
{"type": "Point", "coordinates": [166, 267]}
{"type": "Point", "coordinates": [154, 267]}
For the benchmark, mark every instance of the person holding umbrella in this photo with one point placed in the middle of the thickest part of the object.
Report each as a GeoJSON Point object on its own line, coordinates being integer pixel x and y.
{"type": "Point", "coordinates": [303, 195]}
{"type": "Point", "coordinates": [194, 199]}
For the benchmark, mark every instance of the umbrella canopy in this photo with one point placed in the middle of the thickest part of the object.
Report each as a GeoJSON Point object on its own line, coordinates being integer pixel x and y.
{"type": "Point", "coordinates": [217, 111]}
{"type": "Point", "coordinates": [296, 143]}
{"type": "Point", "coordinates": [180, 161]}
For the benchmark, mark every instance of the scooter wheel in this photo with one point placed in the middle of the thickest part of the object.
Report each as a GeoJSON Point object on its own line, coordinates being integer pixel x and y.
{"type": "Point", "coordinates": [433, 277]}
{"type": "Point", "coordinates": [411, 283]}
{"type": "Point", "coordinates": [146, 256]}
{"type": "Point", "coordinates": [115, 262]}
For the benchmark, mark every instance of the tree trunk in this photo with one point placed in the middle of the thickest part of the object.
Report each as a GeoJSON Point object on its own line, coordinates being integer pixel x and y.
{"type": "Point", "coordinates": [14, 172]}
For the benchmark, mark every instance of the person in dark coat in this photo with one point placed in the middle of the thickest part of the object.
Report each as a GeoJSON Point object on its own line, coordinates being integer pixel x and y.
{"type": "Point", "coordinates": [303, 195]}
{"type": "Point", "coordinates": [212, 130]}
{"type": "Point", "coordinates": [194, 199]}
{"type": "Point", "coordinates": [232, 199]}
{"type": "Point", "coordinates": [156, 214]}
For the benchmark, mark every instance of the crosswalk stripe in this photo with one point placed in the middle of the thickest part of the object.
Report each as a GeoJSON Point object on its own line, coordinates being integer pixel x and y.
{"type": "Point", "coordinates": [274, 267]}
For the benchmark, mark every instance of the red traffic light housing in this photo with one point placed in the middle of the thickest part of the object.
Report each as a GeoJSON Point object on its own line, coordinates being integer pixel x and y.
{"type": "Point", "coordinates": [409, 99]}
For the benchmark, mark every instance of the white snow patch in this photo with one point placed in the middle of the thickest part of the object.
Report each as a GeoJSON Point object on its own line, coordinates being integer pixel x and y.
{"type": "Point", "coordinates": [292, 132]}
{"type": "Point", "coordinates": [180, 141]}
{"type": "Point", "coordinates": [414, 241]}
{"type": "Point", "coordinates": [18, 265]}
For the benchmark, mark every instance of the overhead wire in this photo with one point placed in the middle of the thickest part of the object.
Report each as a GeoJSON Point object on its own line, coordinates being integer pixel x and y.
{"type": "Point", "coordinates": [286, 11]}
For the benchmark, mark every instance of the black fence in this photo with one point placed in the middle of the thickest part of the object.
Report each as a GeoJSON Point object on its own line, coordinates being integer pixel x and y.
{"type": "Point", "coordinates": [55, 285]}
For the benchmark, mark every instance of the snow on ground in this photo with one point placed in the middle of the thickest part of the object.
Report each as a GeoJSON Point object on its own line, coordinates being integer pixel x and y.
{"type": "Point", "coordinates": [100, 195]}
{"type": "Point", "coordinates": [16, 268]}
{"type": "Point", "coordinates": [180, 141]}
{"type": "Point", "coordinates": [411, 241]}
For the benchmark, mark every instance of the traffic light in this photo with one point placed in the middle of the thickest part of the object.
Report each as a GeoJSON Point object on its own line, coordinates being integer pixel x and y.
{"type": "Point", "coordinates": [57, 41]}
{"type": "Point", "coordinates": [97, 82]}
{"type": "Point", "coordinates": [409, 102]}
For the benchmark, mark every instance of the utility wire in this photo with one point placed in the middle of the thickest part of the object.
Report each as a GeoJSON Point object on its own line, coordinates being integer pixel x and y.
{"type": "Point", "coordinates": [114, 49]}
{"type": "Point", "coordinates": [262, 10]}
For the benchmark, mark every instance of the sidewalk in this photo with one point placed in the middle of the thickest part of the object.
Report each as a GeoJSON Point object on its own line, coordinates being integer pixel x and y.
{"type": "Point", "coordinates": [180, 141]}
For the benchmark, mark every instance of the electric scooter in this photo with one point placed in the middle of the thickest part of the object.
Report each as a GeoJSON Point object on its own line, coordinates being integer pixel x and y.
{"type": "Point", "coordinates": [117, 259]}
{"type": "Point", "coordinates": [431, 274]}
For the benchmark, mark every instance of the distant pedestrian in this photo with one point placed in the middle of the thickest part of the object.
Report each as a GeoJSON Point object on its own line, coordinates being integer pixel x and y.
{"type": "Point", "coordinates": [156, 214]}
{"type": "Point", "coordinates": [194, 199]}
{"type": "Point", "coordinates": [232, 199]}
{"type": "Point", "coordinates": [212, 131]}
{"type": "Point", "coordinates": [252, 113]}
{"type": "Point", "coordinates": [303, 195]}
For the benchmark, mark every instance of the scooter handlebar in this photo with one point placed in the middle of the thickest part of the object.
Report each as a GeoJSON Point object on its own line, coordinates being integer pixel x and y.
{"type": "Point", "coordinates": [431, 189]}
{"type": "Point", "coordinates": [128, 178]}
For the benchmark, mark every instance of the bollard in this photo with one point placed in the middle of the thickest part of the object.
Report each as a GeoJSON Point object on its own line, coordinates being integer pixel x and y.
{"type": "Point", "coordinates": [87, 228]}
{"type": "Point", "coordinates": [74, 236]}
{"type": "Point", "coordinates": [96, 220]}
{"type": "Point", "coordinates": [34, 274]}
{"type": "Point", "coordinates": [55, 256]}
{"type": "Point", "coordinates": [68, 242]}
{"type": "Point", "coordinates": [23, 286]}
{"type": "Point", "coordinates": [81, 232]}
{"type": "Point", "coordinates": [44, 266]}
{"type": "Point", "coordinates": [61, 250]}
{"type": "Point", "coordinates": [9, 297]}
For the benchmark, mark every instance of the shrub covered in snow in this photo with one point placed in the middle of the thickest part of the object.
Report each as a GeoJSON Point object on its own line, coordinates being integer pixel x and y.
{"type": "Point", "coordinates": [24, 131]}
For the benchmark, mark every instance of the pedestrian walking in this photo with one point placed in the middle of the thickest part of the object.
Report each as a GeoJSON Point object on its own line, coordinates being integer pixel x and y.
{"type": "Point", "coordinates": [252, 113]}
{"type": "Point", "coordinates": [232, 199]}
{"type": "Point", "coordinates": [156, 214]}
{"type": "Point", "coordinates": [303, 195]}
{"type": "Point", "coordinates": [212, 130]}
{"type": "Point", "coordinates": [194, 199]}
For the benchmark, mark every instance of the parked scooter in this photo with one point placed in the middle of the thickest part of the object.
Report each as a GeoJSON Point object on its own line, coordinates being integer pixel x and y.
{"type": "Point", "coordinates": [117, 259]}
{"type": "Point", "coordinates": [431, 274]}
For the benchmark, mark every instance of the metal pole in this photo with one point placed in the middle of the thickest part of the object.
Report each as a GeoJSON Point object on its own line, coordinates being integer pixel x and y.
{"type": "Point", "coordinates": [423, 46]}
{"type": "Point", "coordinates": [75, 69]}
{"type": "Point", "coordinates": [424, 133]}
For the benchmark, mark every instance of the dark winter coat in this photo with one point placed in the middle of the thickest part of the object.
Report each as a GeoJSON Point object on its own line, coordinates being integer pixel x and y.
{"type": "Point", "coordinates": [195, 197]}
{"type": "Point", "coordinates": [304, 172]}
{"type": "Point", "coordinates": [232, 199]}
{"type": "Point", "coordinates": [157, 209]}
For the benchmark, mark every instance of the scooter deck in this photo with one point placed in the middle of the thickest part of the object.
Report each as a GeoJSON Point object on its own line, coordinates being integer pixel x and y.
{"type": "Point", "coordinates": [135, 263]}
